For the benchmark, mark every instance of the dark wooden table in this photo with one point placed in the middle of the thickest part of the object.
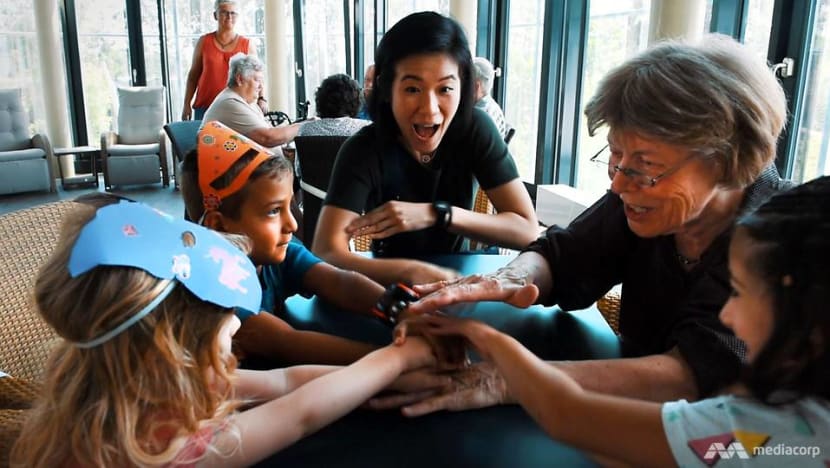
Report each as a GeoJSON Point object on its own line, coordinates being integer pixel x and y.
{"type": "Point", "coordinates": [502, 436]}
{"type": "Point", "coordinates": [86, 178]}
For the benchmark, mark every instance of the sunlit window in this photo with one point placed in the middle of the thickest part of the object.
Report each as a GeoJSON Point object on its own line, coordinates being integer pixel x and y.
{"type": "Point", "coordinates": [758, 25]}
{"type": "Point", "coordinates": [616, 30]}
{"type": "Point", "coordinates": [523, 75]}
{"type": "Point", "coordinates": [813, 137]}
{"type": "Point", "coordinates": [397, 9]}
{"type": "Point", "coordinates": [21, 63]}
{"type": "Point", "coordinates": [325, 44]}
{"type": "Point", "coordinates": [103, 46]}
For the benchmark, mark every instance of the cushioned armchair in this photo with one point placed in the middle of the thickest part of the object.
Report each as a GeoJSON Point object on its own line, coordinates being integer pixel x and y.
{"type": "Point", "coordinates": [135, 153]}
{"type": "Point", "coordinates": [26, 162]}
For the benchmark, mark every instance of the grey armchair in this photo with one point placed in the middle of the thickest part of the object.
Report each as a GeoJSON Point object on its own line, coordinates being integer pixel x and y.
{"type": "Point", "coordinates": [135, 153]}
{"type": "Point", "coordinates": [26, 162]}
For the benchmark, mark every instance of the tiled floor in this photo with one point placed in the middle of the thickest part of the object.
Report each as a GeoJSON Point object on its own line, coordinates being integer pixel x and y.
{"type": "Point", "coordinates": [163, 198]}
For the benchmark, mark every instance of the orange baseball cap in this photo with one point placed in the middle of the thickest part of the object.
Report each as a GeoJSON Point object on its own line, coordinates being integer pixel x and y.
{"type": "Point", "coordinates": [218, 149]}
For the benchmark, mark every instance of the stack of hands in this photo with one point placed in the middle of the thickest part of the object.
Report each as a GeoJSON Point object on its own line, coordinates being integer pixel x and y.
{"type": "Point", "coordinates": [455, 384]}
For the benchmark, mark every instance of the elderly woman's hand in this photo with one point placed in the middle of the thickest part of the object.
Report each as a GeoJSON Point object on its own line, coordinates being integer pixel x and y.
{"type": "Point", "coordinates": [508, 285]}
{"type": "Point", "coordinates": [392, 218]}
{"type": "Point", "coordinates": [477, 386]}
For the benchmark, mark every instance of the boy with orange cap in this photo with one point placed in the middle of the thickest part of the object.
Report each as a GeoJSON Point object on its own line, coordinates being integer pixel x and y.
{"type": "Point", "coordinates": [232, 184]}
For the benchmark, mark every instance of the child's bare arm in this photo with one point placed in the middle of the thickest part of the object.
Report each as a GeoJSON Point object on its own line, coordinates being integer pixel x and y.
{"type": "Point", "coordinates": [623, 429]}
{"type": "Point", "coordinates": [268, 336]}
{"type": "Point", "coordinates": [275, 425]}
{"type": "Point", "coordinates": [345, 289]}
{"type": "Point", "coordinates": [267, 385]}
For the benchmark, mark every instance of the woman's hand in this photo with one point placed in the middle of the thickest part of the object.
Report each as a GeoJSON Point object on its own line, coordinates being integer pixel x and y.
{"type": "Point", "coordinates": [477, 386]}
{"type": "Point", "coordinates": [393, 217]}
{"type": "Point", "coordinates": [506, 285]}
{"type": "Point", "coordinates": [186, 113]}
{"type": "Point", "coordinates": [473, 332]}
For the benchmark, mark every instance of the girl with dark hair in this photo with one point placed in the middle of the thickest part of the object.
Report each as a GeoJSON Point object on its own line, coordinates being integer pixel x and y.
{"type": "Point", "coordinates": [408, 180]}
{"type": "Point", "coordinates": [779, 415]}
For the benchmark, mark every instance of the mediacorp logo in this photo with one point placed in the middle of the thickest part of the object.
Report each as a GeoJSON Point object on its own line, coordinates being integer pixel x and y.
{"type": "Point", "coordinates": [717, 451]}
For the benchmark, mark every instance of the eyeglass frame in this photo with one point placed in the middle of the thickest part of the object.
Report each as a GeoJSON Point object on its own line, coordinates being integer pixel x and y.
{"type": "Point", "coordinates": [639, 176]}
{"type": "Point", "coordinates": [228, 14]}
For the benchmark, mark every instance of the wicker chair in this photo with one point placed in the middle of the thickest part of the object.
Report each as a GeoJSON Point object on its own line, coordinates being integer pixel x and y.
{"type": "Point", "coordinates": [27, 238]}
{"type": "Point", "coordinates": [609, 307]}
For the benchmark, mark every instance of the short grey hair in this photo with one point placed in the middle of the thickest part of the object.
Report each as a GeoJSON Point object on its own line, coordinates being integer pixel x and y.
{"type": "Point", "coordinates": [484, 72]}
{"type": "Point", "coordinates": [715, 97]}
{"type": "Point", "coordinates": [244, 65]}
{"type": "Point", "coordinates": [219, 3]}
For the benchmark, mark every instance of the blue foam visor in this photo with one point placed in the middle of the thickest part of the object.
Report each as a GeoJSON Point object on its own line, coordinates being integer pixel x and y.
{"type": "Point", "coordinates": [135, 235]}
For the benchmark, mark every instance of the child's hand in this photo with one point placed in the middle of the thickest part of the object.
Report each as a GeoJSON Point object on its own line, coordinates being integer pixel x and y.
{"type": "Point", "coordinates": [477, 334]}
{"type": "Point", "coordinates": [416, 353]}
{"type": "Point", "coordinates": [451, 351]}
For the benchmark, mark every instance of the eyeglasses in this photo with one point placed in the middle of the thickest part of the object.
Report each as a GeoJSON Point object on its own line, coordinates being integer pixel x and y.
{"type": "Point", "coordinates": [227, 14]}
{"type": "Point", "coordinates": [640, 176]}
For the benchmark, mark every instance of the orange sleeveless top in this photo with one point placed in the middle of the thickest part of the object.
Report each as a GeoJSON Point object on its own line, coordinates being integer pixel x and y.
{"type": "Point", "coordinates": [215, 66]}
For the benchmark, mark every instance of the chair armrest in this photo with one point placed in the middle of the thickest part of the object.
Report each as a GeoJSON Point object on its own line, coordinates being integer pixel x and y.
{"type": "Point", "coordinates": [108, 139]}
{"type": "Point", "coordinates": [40, 140]}
{"type": "Point", "coordinates": [165, 164]}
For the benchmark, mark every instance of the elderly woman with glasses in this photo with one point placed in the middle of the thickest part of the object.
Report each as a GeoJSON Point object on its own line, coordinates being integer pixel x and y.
{"type": "Point", "coordinates": [692, 133]}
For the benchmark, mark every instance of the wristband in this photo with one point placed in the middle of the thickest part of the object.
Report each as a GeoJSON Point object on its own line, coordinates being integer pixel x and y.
{"type": "Point", "coordinates": [443, 214]}
{"type": "Point", "coordinates": [393, 301]}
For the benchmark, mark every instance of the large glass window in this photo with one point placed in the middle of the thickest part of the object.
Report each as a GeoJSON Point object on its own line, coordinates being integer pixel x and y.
{"type": "Point", "coordinates": [397, 9]}
{"type": "Point", "coordinates": [187, 21]}
{"type": "Point", "coordinates": [617, 29]}
{"type": "Point", "coordinates": [21, 63]}
{"type": "Point", "coordinates": [152, 42]}
{"type": "Point", "coordinates": [103, 45]}
{"type": "Point", "coordinates": [758, 26]}
{"type": "Point", "coordinates": [523, 75]}
{"type": "Point", "coordinates": [813, 132]}
{"type": "Point", "coordinates": [325, 43]}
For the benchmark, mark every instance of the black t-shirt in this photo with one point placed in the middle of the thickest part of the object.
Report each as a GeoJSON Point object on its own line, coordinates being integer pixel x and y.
{"type": "Point", "coordinates": [369, 171]}
{"type": "Point", "coordinates": [662, 305]}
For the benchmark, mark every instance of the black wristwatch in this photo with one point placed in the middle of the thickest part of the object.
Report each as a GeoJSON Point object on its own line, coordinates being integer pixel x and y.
{"type": "Point", "coordinates": [443, 214]}
{"type": "Point", "coordinates": [394, 300]}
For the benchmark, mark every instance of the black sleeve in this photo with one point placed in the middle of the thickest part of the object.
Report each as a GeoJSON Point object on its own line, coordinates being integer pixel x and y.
{"type": "Point", "coordinates": [355, 172]}
{"type": "Point", "coordinates": [493, 165]}
{"type": "Point", "coordinates": [712, 351]}
{"type": "Point", "coordinates": [588, 257]}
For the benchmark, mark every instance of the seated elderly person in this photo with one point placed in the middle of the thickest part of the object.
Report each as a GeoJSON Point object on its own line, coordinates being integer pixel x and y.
{"type": "Point", "coordinates": [692, 131]}
{"type": "Point", "coordinates": [236, 106]}
{"type": "Point", "coordinates": [484, 74]}
{"type": "Point", "coordinates": [337, 101]}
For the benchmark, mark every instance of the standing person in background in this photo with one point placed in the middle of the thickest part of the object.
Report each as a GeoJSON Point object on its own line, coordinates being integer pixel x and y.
{"type": "Point", "coordinates": [209, 68]}
{"type": "Point", "coordinates": [484, 74]}
{"type": "Point", "coordinates": [368, 84]}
